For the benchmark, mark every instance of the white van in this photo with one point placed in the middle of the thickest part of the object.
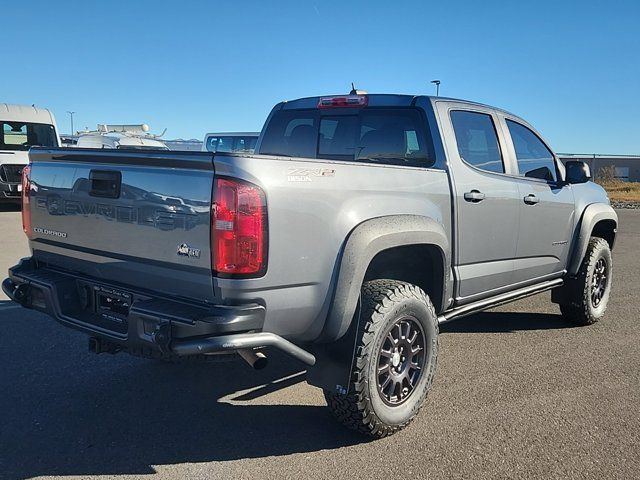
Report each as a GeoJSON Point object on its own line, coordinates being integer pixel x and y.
{"type": "Point", "coordinates": [230, 142]}
{"type": "Point", "coordinates": [121, 136]}
{"type": "Point", "coordinates": [21, 127]}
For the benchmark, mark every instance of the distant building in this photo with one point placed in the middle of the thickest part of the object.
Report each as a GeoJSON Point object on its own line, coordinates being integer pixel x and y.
{"type": "Point", "coordinates": [627, 167]}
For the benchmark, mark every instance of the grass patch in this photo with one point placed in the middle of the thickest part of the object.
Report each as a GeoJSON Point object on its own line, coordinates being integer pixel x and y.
{"type": "Point", "coordinates": [621, 191]}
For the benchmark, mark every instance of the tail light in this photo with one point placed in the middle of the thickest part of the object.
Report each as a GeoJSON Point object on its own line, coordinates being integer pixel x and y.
{"type": "Point", "coordinates": [26, 201]}
{"type": "Point", "coordinates": [238, 229]}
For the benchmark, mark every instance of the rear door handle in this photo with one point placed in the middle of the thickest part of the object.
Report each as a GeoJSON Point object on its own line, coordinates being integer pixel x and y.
{"type": "Point", "coordinates": [474, 196]}
{"type": "Point", "coordinates": [531, 199]}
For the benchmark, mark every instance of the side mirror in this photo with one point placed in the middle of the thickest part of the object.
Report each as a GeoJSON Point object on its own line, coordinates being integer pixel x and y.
{"type": "Point", "coordinates": [577, 172]}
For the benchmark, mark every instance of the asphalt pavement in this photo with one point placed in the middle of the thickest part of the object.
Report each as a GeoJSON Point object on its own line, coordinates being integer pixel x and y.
{"type": "Point", "coordinates": [519, 393]}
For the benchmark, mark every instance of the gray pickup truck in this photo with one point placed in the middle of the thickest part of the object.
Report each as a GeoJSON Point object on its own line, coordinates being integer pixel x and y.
{"type": "Point", "coordinates": [360, 224]}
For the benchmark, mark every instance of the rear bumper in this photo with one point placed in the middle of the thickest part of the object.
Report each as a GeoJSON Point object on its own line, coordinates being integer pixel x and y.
{"type": "Point", "coordinates": [150, 323]}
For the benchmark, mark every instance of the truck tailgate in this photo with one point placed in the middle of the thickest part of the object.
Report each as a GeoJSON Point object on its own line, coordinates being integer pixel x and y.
{"type": "Point", "coordinates": [138, 218]}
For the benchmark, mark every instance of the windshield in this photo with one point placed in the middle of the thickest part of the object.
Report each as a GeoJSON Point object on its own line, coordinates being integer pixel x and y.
{"type": "Point", "coordinates": [21, 135]}
{"type": "Point", "coordinates": [376, 135]}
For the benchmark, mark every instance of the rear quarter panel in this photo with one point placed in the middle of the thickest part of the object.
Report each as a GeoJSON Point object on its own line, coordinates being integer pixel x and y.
{"type": "Point", "coordinates": [312, 207]}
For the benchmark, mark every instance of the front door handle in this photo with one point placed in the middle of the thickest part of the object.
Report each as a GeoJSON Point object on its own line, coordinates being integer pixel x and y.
{"type": "Point", "coordinates": [531, 199]}
{"type": "Point", "coordinates": [474, 196]}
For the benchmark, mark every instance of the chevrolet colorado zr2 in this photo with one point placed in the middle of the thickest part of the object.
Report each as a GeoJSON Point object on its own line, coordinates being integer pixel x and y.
{"type": "Point", "coordinates": [360, 223]}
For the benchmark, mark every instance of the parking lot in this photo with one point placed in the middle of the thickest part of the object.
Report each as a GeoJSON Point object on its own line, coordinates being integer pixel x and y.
{"type": "Point", "coordinates": [519, 393]}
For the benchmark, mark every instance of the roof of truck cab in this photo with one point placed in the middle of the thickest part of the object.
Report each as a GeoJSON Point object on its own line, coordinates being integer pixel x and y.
{"type": "Point", "coordinates": [25, 113]}
{"type": "Point", "coordinates": [384, 100]}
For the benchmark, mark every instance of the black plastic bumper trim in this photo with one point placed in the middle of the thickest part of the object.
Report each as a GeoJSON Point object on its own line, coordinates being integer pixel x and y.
{"type": "Point", "coordinates": [58, 295]}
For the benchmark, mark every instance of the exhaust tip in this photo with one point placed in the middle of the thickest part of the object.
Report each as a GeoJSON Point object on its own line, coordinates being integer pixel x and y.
{"type": "Point", "coordinates": [261, 362]}
{"type": "Point", "coordinates": [256, 360]}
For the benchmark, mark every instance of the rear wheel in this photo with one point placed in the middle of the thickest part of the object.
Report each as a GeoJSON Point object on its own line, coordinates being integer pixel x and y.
{"type": "Point", "coordinates": [395, 359]}
{"type": "Point", "coordinates": [592, 285]}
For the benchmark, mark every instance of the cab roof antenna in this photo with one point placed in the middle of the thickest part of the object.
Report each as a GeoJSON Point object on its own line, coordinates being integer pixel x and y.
{"type": "Point", "coordinates": [355, 91]}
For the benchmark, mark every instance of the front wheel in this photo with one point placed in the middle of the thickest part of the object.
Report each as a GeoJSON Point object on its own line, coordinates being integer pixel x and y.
{"type": "Point", "coordinates": [395, 359]}
{"type": "Point", "coordinates": [592, 285]}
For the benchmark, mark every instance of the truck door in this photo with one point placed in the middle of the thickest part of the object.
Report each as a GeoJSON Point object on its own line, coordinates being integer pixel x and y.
{"type": "Point", "coordinates": [547, 212]}
{"type": "Point", "coordinates": [486, 200]}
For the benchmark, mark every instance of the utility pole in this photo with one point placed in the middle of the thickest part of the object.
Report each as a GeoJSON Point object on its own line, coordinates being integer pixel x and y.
{"type": "Point", "coordinates": [71, 115]}
{"type": "Point", "coordinates": [437, 83]}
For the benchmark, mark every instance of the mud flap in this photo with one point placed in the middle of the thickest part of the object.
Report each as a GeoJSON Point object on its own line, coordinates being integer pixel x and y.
{"type": "Point", "coordinates": [334, 361]}
{"type": "Point", "coordinates": [567, 294]}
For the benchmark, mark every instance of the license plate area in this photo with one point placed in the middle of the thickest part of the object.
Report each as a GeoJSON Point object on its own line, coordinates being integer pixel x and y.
{"type": "Point", "coordinates": [112, 304]}
{"type": "Point", "coordinates": [104, 307]}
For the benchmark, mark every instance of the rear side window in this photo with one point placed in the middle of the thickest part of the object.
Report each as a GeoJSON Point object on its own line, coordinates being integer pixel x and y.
{"type": "Point", "coordinates": [380, 135]}
{"type": "Point", "coordinates": [477, 140]}
{"type": "Point", "coordinates": [534, 158]}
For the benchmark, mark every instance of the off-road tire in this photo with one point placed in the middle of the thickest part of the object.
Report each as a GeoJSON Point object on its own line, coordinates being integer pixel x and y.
{"type": "Point", "coordinates": [581, 310]}
{"type": "Point", "coordinates": [384, 302]}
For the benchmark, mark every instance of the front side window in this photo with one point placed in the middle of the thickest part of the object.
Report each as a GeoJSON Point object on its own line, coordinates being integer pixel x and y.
{"type": "Point", "coordinates": [534, 158]}
{"type": "Point", "coordinates": [22, 136]}
{"type": "Point", "coordinates": [379, 135]}
{"type": "Point", "coordinates": [477, 140]}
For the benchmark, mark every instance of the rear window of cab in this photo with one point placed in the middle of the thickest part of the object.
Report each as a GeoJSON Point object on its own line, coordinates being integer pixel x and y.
{"type": "Point", "coordinates": [396, 136]}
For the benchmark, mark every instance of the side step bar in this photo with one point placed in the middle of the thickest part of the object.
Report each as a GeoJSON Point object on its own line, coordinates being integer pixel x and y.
{"type": "Point", "coordinates": [501, 299]}
{"type": "Point", "coordinates": [241, 341]}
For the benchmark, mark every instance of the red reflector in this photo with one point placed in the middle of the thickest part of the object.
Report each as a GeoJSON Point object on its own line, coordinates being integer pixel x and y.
{"type": "Point", "coordinates": [26, 201]}
{"type": "Point", "coordinates": [238, 228]}
{"type": "Point", "coordinates": [343, 101]}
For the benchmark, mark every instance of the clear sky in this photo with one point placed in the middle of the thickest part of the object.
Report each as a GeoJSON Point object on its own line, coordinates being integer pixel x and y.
{"type": "Point", "coordinates": [572, 68]}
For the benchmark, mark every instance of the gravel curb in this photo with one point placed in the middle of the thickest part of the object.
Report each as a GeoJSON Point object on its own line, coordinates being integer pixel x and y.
{"type": "Point", "coordinates": [628, 205]}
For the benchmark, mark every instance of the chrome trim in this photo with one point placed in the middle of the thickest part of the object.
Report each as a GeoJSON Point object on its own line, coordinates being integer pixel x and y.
{"type": "Point", "coordinates": [241, 341]}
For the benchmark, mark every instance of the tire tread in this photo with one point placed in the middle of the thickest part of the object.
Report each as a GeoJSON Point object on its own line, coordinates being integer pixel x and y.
{"type": "Point", "coordinates": [580, 311]}
{"type": "Point", "coordinates": [355, 410]}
